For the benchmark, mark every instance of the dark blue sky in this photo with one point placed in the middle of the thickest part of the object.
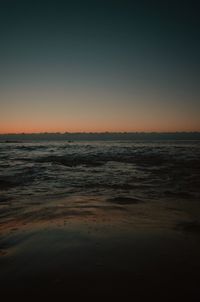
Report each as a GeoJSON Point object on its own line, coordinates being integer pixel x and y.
{"type": "Point", "coordinates": [99, 65]}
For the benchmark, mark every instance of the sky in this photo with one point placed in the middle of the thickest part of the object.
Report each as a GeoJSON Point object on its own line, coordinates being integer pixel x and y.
{"type": "Point", "coordinates": [95, 66]}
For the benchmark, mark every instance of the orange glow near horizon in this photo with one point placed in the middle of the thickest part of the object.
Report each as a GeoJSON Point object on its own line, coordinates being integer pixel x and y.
{"type": "Point", "coordinates": [98, 129]}
{"type": "Point", "coordinates": [39, 111]}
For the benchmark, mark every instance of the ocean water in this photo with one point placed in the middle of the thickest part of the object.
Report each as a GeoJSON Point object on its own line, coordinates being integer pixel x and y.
{"type": "Point", "coordinates": [106, 216]}
{"type": "Point", "coordinates": [49, 180]}
{"type": "Point", "coordinates": [143, 170]}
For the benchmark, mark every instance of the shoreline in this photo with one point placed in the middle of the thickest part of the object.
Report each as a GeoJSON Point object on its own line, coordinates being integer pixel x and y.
{"type": "Point", "coordinates": [136, 253]}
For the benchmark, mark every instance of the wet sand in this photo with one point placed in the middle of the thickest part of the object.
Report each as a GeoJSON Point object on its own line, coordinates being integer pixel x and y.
{"type": "Point", "coordinates": [100, 248]}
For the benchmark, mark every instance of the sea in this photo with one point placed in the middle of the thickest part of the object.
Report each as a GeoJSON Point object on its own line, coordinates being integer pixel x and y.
{"type": "Point", "coordinates": [99, 216]}
{"type": "Point", "coordinates": [139, 169]}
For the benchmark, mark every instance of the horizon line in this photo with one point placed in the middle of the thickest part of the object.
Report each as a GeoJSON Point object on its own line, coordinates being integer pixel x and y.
{"type": "Point", "coordinates": [99, 132]}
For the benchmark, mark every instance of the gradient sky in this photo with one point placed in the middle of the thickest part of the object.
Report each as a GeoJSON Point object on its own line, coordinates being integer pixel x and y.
{"type": "Point", "coordinates": [99, 66]}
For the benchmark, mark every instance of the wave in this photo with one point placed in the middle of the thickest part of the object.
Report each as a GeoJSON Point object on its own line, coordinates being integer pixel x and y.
{"type": "Point", "coordinates": [25, 176]}
{"type": "Point", "coordinates": [71, 161]}
{"type": "Point", "coordinates": [100, 159]}
{"type": "Point", "coordinates": [147, 170]}
{"type": "Point", "coordinates": [142, 160]}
